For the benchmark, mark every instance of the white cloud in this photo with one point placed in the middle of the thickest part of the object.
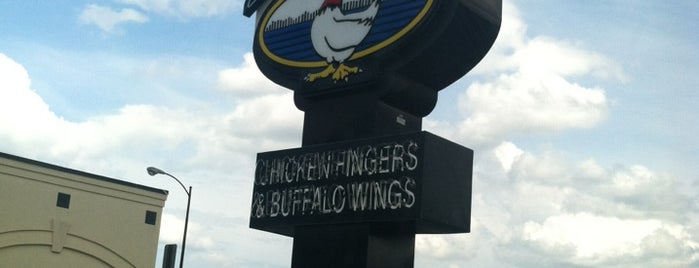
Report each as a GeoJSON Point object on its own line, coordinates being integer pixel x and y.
{"type": "Point", "coordinates": [16, 98]}
{"type": "Point", "coordinates": [210, 134]}
{"type": "Point", "coordinates": [604, 241]}
{"type": "Point", "coordinates": [171, 229]}
{"type": "Point", "coordinates": [211, 149]}
{"type": "Point", "coordinates": [451, 246]}
{"type": "Point", "coordinates": [521, 103]}
{"type": "Point", "coordinates": [515, 50]}
{"type": "Point", "coordinates": [544, 55]}
{"type": "Point", "coordinates": [545, 210]}
{"type": "Point", "coordinates": [247, 80]}
{"type": "Point", "coordinates": [267, 114]}
{"type": "Point", "coordinates": [108, 19]}
{"type": "Point", "coordinates": [525, 85]}
{"type": "Point", "coordinates": [591, 236]}
{"type": "Point", "coordinates": [187, 8]}
{"type": "Point", "coordinates": [507, 153]}
{"type": "Point", "coordinates": [569, 213]}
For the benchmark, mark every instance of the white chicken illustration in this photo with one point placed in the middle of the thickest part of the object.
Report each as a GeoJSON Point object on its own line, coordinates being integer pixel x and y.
{"type": "Point", "coordinates": [336, 35]}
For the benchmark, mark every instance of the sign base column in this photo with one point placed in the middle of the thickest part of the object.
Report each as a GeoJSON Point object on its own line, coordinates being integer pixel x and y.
{"type": "Point", "coordinates": [363, 245]}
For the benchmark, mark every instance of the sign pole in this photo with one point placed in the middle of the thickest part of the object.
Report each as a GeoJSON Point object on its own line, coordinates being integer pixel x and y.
{"type": "Point", "coordinates": [367, 179]}
{"type": "Point", "coordinates": [356, 245]}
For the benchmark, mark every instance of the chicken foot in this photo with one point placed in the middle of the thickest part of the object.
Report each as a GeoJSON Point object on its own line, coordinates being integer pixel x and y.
{"type": "Point", "coordinates": [342, 72]}
{"type": "Point", "coordinates": [322, 74]}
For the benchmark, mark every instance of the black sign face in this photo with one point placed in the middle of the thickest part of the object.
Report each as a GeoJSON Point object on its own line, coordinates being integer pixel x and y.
{"type": "Point", "coordinates": [251, 6]}
{"type": "Point", "coordinates": [321, 47]}
{"type": "Point", "coordinates": [352, 179]}
{"type": "Point", "coordinates": [375, 180]}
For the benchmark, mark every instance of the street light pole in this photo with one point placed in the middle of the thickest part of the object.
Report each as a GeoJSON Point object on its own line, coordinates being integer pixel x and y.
{"type": "Point", "coordinates": [154, 171]}
{"type": "Point", "coordinates": [186, 220]}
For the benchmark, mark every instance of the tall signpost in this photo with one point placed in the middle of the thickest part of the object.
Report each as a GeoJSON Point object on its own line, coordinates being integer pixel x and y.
{"type": "Point", "coordinates": [365, 72]}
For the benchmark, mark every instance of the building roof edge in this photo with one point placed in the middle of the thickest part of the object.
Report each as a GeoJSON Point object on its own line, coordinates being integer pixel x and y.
{"type": "Point", "coordinates": [82, 173]}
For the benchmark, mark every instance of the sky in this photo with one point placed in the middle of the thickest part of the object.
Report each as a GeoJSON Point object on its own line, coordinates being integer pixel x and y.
{"type": "Point", "coordinates": [583, 118]}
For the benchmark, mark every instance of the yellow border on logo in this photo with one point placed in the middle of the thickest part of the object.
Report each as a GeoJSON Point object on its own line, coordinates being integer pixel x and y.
{"type": "Point", "coordinates": [360, 54]}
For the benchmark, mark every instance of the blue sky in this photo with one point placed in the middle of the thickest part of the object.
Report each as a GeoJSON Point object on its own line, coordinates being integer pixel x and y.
{"type": "Point", "coordinates": [583, 117]}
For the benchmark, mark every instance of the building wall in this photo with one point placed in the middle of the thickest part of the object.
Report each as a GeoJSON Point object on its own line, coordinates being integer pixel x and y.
{"type": "Point", "coordinates": [105, 222]}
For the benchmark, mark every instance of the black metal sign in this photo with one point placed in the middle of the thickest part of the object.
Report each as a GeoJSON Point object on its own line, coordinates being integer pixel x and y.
{"type": "Point", "coordinates": [251, 6]}
{"type": "Point", "coordinates": [417, 177]}
{"type": "Point", "coordinates": [366, 72]}
{"type": "Point", "coordinates": [402, 51]}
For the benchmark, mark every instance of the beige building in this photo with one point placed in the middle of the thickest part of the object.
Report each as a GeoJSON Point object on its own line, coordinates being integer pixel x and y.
{"type": "Point", "coordinates": [52, 216]}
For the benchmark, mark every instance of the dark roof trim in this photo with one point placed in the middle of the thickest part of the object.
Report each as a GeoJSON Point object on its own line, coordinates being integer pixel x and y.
{"type": "Point", "coordinates": [82, 173]}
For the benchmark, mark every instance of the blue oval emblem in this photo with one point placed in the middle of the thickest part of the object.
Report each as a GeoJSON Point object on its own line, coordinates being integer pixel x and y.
{"type": "Point", "coordinates": [320, 33]}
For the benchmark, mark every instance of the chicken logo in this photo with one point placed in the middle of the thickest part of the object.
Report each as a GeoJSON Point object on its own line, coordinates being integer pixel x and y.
{"type": "Point", "coordinates": [336, 35]}
{"type": "Point", "coordinates": [326, 38]}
